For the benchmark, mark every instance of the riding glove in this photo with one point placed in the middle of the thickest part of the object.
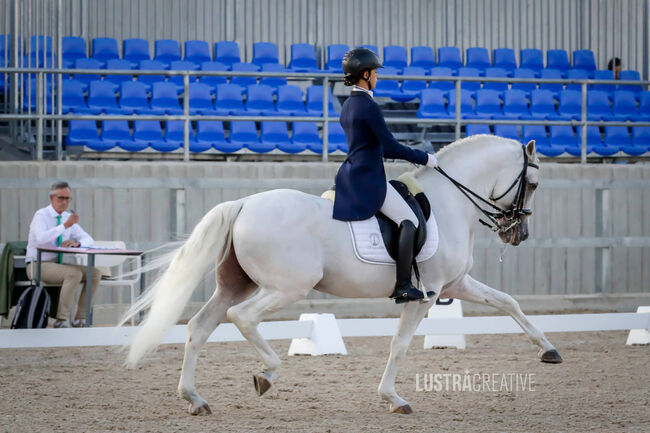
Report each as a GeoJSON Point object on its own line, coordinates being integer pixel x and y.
{"type": "Point", "coordinates": [433, 161]}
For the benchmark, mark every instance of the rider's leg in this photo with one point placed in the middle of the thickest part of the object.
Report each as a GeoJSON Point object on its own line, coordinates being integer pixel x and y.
{"type": "Point", "coordinates": [396, 209]}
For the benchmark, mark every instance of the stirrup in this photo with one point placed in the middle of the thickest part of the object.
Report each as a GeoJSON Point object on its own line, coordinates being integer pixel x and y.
{"type": "Point", "coordinates": [407, 295]}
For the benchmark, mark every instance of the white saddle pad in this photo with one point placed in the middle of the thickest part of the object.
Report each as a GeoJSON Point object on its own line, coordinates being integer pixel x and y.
{"type": "Point", "coordinates": [369, 245]}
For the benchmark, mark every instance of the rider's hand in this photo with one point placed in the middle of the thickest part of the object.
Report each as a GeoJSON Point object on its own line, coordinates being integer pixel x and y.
{"type": "Point", "coordinates": [433, 161]}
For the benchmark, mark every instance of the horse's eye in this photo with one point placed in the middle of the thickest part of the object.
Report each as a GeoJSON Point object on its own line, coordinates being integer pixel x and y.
{"type": "Point", "coordinates": [533, 186]}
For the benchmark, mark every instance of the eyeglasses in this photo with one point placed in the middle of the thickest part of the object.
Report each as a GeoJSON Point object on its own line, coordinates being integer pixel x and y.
{"type": "Point", "coordinates": [63, 198]}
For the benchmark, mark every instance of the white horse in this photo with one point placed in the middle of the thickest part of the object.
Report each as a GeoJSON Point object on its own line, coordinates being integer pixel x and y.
{"type": "Point", "coordinates": [272, 248]}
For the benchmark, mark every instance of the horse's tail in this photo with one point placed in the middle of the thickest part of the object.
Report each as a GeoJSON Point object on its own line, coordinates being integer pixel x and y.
{"type": "Point", "coordinates": [210, 241]}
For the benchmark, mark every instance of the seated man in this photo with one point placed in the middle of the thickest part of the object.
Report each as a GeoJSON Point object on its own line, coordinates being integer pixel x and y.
{"type": "Point", "coordinates": [54, 226]}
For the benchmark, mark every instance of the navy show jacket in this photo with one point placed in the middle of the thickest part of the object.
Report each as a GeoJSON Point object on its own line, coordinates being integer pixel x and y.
{"type": "Point", "coordinates": [361, 180]}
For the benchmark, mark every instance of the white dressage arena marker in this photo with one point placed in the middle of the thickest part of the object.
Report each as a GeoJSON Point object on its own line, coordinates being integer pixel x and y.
{"type": "Point", "coordinates": [455, 309]}
{"type": "Point", "coordinates": [639, 336]}
{"type": "Point", "coordinates": [325, 338]}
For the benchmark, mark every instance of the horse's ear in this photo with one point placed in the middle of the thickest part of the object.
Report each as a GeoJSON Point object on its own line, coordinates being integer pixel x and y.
{"type": "Point", "coordinates": [530, 149]}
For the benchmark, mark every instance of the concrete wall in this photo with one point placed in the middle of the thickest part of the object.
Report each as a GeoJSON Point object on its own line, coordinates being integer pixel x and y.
{"type": "Point", "coordinates": [590, 232]}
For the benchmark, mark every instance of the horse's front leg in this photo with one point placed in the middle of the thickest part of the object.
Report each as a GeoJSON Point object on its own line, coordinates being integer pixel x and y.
{"type": "Point", "coordinates": [469, 289]}
{"type": "Point", "coordinates": [409, 320]}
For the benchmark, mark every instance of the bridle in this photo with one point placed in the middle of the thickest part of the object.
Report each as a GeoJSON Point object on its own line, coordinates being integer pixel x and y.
{"type": "Point", "coordinates": [509, 217]}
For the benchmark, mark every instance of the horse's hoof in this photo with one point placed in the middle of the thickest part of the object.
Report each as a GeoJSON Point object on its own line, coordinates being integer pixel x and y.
{"type": "Point", "coordinates": [204, 409]}
{"type": "Point", "coordinates": [552, 357]}
{"type": "Point", "coordinates": [405, 409]}
{"type": "Point", "coordinates": [261, 384]}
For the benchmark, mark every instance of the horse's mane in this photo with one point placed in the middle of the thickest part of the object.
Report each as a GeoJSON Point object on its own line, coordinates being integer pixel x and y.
{"type": "Point", "coordinates": [452, 150]}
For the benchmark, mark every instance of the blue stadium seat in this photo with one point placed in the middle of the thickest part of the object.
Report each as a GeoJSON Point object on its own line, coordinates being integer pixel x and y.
{"type": "Point", "coordinates": [87, 64]}
{"type": "Point", "coordinates": [114, 132]}
{"type": "Point", "coordinates": [542, 105]}
{"type": "Point", "coordinates": [105, 49]}
{"type": "Point", "coordinates": [558, 59]}
{"type": "Point", "coordinates": [423, 57]}
{"type": "Point", "coordinates": [551, 74]}
{"type": "Point", "coordinates": [618, 138]}
{"type": "Point", "coordinates": [449, 57]}
{"type": "Point", "coordinates": [118, 64]}
{"type": "Point", "coordinates": [177, 80]}
{"type": "Point", "coordinates": [244, 82]}
{"type": "Point", "coordinates": [570, 107]}
{"type": "Point", "coordinates": [167, 51]}
{"type": "Point", "coordinates": [371, 47]}
{"type": "Point", "coordinates": [411, 88]}
{"type": "Point", "coordinates": [73, 98]}
{"type": "Point", "coordinates": [259, 101]}
{"type": "Point", "coordinates": [542, 143]}
{"type": "Point", "coordinates": [576, 74]}
{"type": "Point", "coordinates": [336, 137]}
{"type": "Point", "coordinates": [273, 82]}
{"type": "Point", "coordinates": [276, 135]}
{"type": "Point", "coordinates": [432, 104]}
{"type": "Point", "coordinates": [630, 76]}
{"type": "Point", "coordinates": [303, 58]}
{"type": "Point", "coordinates": [164, 99]}
{"type": "Point", "coordinates": [507, 131]}
{"type": "Point", "coordinates": [563, 136]}
{"type": "Point", "coordinates": [102, 98]}
{"type": "Point", "coordinates": [644, 106]}
{"type": "Point", "coordinates": [488, 105]}
{"type": "Point", "coordinates": [210, 133]}
{"type": "Point", "coordinates": [466, 104]}
{"type": "Point", "coordinates": [314, 101]}
{"type": "Point", "coordinates": [477, 129]}
{"type": "Point", "coordinates": [197, 51]}
{"type": "Point", "coordinates": [478, 58]}
{"type": "Point", "coordinates": [175, 134]}
{"type": "Point", "coordinates": [305, 135]}
{"type": "Point", "coordinates": [504, 58]}
{"type": "Point", "coordinates": [73, 48]}
{"type": "Point", "coordinates": [593, 139]}
{"type": "Point", "coordinates": [145, 132]}
{"type": "Point", "coordinates": [395, 57]}
{"type": "Point", "coordinates": [244, 133]}
{"type": "Point", "coordinates": [290, 101]}
{"type": "Point", "coordinates": [335, 53]}
{"type": "Point", "coordinates": [598, 147]}
{"type": "Point", "coordinates": [441, 85]}
{"type": "Point", "coordinates": [213, 81]}
{"type": "Point", "coordinates": [604, 75]}
{"type": "Point", "coordinates": [229, 100]}
{"type": "Point", "coordinates": [496, 73]}
{"type": "Point", "coordinates": [515, 105]}
{"type": "Point", "coordinates": [531, 58]}
{"type": "Point", "coordinates": [641, 137]}
{"type": "Point", "coordinates": [387, 88]}
{"type": "Point", "coordinates": [201, 100]}
{"type": "Point", "coordinates": [41, 55]}
{"type": "Point", "coordinates": [265, 52]}
{"type": "Point", "coordinates": [133, 98]}
{"type": "Point", "coordinates": [524, 73]}
{"type": "Point", "coordinates": [598, 105]}
{"type": "Point", "coordinates": [152, 65]}
{"type": "Point", "coordinates": [472, 86]}
{"type": "Point", "coordinates": [80, 132]}
{"type": "Point", "coordinates": [584, 59]}
{"type": "Point", "coordinates": [136, 50]}
{"type": "Point", "coordinates": [227, 52]}
{"type": "Point", "coordinates": [624, 106]}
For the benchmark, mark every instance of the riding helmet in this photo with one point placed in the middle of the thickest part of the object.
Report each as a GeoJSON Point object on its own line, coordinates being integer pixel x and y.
{"type": "Point", "coordinates": [358, 60]}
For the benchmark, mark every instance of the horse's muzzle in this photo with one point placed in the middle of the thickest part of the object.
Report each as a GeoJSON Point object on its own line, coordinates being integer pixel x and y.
{"type": "Point", "coordinates": [516, 235]}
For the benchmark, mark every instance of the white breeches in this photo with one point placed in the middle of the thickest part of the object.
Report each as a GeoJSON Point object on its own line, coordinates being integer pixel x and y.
{"type": "Point", "coordinates": [395, 207]}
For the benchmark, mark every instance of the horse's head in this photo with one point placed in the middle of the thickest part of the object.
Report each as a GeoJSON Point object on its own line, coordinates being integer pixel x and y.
{"type": "Point", "coordinates": [513, 191]}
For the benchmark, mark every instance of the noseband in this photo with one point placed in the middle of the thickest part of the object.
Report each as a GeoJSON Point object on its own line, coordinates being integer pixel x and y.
{"type": "Point", "coordinates": [501, 220]}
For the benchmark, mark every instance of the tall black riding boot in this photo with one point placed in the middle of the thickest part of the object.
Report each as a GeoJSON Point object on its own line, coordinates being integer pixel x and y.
{"type": "Point", "coordinates": [404, 289]}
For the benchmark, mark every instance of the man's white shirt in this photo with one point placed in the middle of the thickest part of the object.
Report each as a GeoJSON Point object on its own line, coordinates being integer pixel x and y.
{"type": "Point", "coordinates": [44, 230]}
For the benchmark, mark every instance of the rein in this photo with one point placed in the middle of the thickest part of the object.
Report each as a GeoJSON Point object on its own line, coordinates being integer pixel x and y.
{"type": "Point", "coordinates": [511, 215]}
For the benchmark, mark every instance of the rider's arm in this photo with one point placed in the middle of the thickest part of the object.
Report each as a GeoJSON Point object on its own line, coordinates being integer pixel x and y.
{"type": "Point", "coordinates": [392, 149]}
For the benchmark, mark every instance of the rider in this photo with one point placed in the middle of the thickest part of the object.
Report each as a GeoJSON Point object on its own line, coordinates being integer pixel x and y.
{"type": "Point", "coordinates": [361, 186]}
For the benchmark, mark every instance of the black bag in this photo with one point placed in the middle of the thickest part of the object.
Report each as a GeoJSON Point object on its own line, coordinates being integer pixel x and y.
{"type": "Point", "coordinates": [32, 309]}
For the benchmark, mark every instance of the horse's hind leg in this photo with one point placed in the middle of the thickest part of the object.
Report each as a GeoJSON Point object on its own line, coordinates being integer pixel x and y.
{"type": "Point", "coordinates": [233, 287]}
{"type": "Point", "coordinates": [471, 290]}
{"type": "Point", "coordinates": [247, 315]}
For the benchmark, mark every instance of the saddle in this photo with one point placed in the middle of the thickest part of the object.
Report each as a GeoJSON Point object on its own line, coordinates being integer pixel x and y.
{"type": "Point", "coordinates": [411, 192]}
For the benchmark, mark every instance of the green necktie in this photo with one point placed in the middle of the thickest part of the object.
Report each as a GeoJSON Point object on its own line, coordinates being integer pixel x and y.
{"type": "Point", "coordinates": [59, 258]}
